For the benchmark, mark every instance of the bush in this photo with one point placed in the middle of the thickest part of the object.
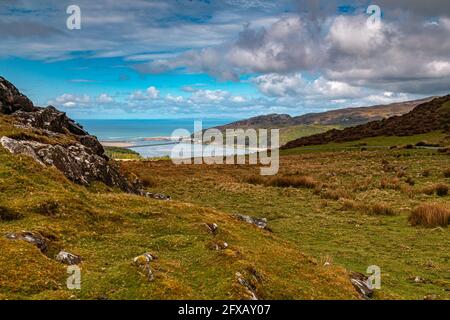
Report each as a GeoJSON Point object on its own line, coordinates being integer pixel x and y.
{"type": "Point", "coordinates": [7, 214]}
{"type": "Point", "coordinates": [430, 215]}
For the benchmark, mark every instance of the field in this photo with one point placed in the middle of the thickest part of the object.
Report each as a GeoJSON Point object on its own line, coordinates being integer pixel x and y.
{"type": "Point", "coordinates": [352, 212]}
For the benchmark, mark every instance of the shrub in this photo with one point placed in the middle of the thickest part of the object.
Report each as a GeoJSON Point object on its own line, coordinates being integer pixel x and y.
{"type": "Point", "coordinates": [430, 215]}
{"type": "Point", "coordinates": [7, 214]}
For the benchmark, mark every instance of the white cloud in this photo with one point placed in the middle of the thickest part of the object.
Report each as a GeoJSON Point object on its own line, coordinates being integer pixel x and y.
{"type": "Point", "coordinates": [104, 98]}
{"type": "Point", "coordinates": [175, 99]}
{"type": "Point", "coordinates": [152, 92]}
{"type": "Point", "coordinates": [149, 94]}
{"type": "Point", "coordinates": [70, 100]}
{"type": "Point", "coordinates": [209, 96]}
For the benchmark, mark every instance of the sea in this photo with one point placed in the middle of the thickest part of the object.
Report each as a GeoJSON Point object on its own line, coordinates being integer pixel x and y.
{"type": "Point", "coordinates": [150, 137]}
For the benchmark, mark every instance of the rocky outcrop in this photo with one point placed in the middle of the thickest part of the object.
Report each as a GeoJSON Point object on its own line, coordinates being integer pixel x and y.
{"type": "Point", "coordinates": [11, 100]}
{"type": "Point", "coordinates": [361, 283]}
{"type": "Point", "coordinates": [259, 222]}
{"type": "Point", "coordinates": [77, 162]}
{"type": "Point", "coordinates": [82, 161]}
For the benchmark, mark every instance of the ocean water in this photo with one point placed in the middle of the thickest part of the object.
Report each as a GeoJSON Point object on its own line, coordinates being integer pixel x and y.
{"type": "Point", "coordinates": [137, 133]}
{"type": "Point", "coordinates": [136, 130]}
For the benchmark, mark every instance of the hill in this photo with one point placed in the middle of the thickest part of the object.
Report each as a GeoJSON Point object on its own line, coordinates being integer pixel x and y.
{"type": "Point", "coordinates": [340, 117]}
{"type": "Point", "coordinates": [426, 117]}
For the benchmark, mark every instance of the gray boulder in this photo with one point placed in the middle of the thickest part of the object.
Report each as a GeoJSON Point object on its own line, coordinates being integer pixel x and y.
{"type": "Point", "coordinates": [68, 258]}
{"type": "Point", "coordinates": [259, 222]}
{"type": "Point", "coordinates": [77, 162]}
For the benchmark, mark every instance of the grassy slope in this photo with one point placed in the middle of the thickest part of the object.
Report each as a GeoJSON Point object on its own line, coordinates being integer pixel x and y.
{"type": "Point", "coordinates": [118, 153]}
{"type": "Point", "coordinates": [109, 228]}
{"type": "Point", "coordinates": [294, 132]}
{"type": "Point", "coordinates": [434, 137]}
{"type": "Point", "coordinates": [322, 227]}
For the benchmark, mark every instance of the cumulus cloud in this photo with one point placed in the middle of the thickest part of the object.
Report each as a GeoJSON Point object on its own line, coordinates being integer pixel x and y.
{"type": "Point", "coordinates": [104, 98]}
{"type": "Point", "coordinates": [68, 100]}
{"type": "Point", "coordinates": [278, 85]}
{"type": "Point", "coordinates": [149, 94]}
{"type": "Point", "coordinates": [402, 56]}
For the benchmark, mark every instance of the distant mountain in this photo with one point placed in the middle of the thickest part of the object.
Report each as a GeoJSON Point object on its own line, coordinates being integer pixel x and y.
{"type": "Point", "coordinates": [426, 117]}
{"type": "Point", "coordinates": [342, 117]}
{"type": "Point", "coordinates": [356, 116]}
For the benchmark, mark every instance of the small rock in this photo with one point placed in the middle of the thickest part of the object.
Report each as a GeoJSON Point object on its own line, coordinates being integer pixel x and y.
{"type": "Point", "coordinates": [361, 283]}
{"type": "Point", "coordinates": [430, 297]}
{"type": "Point", "coordinates": [158, 196]}
{"type": "Point", "coordinates": [212, 227]}
{"type": "Point", "coordinates": [220, 245]}
{"type": "Point", "coordinates": [243, 282]}
{"type": "Point", "coordinates": [31, 237]}
{"type": "Point", "coordinates": [68, 258]}
{"type": "Point", "coordinates": [143, 263]}
{"type": "Point", "coordinates": [259, 222]}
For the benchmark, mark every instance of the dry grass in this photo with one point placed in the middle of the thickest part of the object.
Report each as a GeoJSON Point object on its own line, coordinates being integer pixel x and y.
{"type": "Point", "coordinates": [439, 188]}
{"type": "Point", "coordinates": [284, 181]}
{"type": "Point", "coordinates": [390, 183]}
{"type": "Point", "coordinates": [381, 209]}
{"type": "Point", "coordinates": [430, 215]}
{"type": "Point", "coordinates": [336, 194]}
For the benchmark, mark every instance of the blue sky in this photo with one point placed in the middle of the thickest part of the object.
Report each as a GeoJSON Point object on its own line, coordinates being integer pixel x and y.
{"type": "Point", "coordinates": [223, 59]}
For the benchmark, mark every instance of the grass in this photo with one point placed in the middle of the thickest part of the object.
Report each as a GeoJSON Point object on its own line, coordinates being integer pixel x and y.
{"type": "Point", "coordinates": [435, 137]}
{"type": "Point", "coordinates": [353, 220]}
{"type": "Point", "coordinates": [118, 153]}
{"type": "Point", "coordinates": [430, 215]}
{"type": "Point", "coordinates": [284, 181]}
{"type": "Point", "coordinates": [109, 228]}
{"type": "Point", "coordinates": [295, 132]}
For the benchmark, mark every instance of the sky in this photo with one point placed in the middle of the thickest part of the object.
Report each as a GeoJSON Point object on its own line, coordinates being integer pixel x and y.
{"type": "Point", "coordinates": [228, 59]}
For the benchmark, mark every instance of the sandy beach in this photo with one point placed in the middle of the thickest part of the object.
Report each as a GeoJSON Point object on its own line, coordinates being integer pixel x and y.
{"type": "Point", "coordinates": [121, 144]}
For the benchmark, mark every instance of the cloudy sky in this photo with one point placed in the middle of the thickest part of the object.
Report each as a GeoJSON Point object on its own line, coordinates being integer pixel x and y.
{"type": "Point", "coordinates": [224, 59]}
